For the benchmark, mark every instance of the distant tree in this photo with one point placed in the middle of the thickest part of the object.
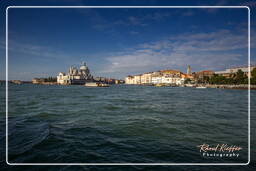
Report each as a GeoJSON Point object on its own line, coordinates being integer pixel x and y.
{"type": "Point", "coordinates": [253, 76]}
{"type": "Point", "coordinates": [187, 81]}
{"type": "Point", "coordinates": [50, 79]}
{"type": "Point", "coordinates": [237, 78]}
{"type": "Point", "coordinates": [240, 77]}
{"type": "Point", "coordinates": [218, 79]}
{"type": "Point", "coordinates": [239, 74]}
{"type": "Point", "coordinates": [206, 79]}
{"type": "Point", "coordinates": [253, 73]}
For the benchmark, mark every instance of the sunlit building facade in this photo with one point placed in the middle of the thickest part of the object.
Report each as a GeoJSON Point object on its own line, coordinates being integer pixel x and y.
{"type": "Point", "coordinates": [232, 71]}
{"type": "Point", "coordinates": [75, 76]}
{"type": "Point", "coordinates": [172, 77]}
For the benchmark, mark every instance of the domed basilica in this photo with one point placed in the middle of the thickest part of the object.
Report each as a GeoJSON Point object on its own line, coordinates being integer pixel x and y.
{"type": "Point", "coordinates": [75, 76]}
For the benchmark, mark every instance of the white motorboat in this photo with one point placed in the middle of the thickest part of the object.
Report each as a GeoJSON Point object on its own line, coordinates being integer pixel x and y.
{"type": "Point", "coordinates": [94, 84]}
{"type": "Point", "coordinates": [201, 87]}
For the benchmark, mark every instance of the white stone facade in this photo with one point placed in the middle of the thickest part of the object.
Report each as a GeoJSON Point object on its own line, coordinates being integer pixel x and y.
{"type": "Point", "coordinates": [154, 78]}
{"type": "Point", "coordinates": [75, 76]}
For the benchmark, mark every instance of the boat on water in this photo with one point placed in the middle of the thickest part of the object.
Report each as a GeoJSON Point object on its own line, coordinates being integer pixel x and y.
{"type": "Point", "coordinates": [189, 85]}
{"type": "Point", "coordinates": [201, 87]}
{"type": "Point", "coordinates": [103, 85]}
{"type": "Point", "coordinates": [93, 84]}
{"type": "Point", "coordinates": [159, 85]}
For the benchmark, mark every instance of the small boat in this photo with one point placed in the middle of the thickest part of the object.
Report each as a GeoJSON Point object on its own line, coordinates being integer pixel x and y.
{"type": "Point", "coordinates": [159, 85]}
{"type": "Point", "coordinates": [189, 85]}
{"type": "Point", "coordinates": [103, 85]}
{"type": "Point", "coordinates": [92, 84]}
{"type": "Point", "coordinates": [201, 87]}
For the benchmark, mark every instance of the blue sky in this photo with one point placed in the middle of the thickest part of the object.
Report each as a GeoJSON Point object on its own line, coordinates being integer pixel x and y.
{"type": "Point", "coordinates": [118, 42]}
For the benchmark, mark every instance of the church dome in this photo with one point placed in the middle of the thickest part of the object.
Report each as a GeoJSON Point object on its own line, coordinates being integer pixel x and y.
{"type": "Point", "coordinates": [83, 66]}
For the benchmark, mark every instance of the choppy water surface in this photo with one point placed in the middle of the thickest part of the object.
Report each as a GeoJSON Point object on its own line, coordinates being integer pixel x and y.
{"type": "Point", "coordinates": [122, 123]}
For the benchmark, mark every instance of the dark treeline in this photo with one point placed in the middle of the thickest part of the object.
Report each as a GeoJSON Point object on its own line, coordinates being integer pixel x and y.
{"type": "Point", "coordinates": [50, 79]}
{"type": "Point", "coordinates": [238, 78]}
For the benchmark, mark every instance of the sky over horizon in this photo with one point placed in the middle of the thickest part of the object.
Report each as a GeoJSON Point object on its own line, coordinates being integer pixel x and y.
{"type": "Point", "coordinates": [119, 42]}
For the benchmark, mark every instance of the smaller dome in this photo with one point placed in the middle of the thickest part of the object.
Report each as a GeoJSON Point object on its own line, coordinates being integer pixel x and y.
{"type": "Point", "coordinates": [83, 66]}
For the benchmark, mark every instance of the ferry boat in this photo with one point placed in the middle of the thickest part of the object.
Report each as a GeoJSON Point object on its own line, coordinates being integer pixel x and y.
{"type": "Point", "coordinates": [103, 85]}
{"type": "Point", "coordinates": [92, 84]}
{"type": "Point", "coordinates": [201, 87]}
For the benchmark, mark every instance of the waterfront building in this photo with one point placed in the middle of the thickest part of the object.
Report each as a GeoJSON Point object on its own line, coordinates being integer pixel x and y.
{"type": "Point", "coordinates": [202, 74]}
{"type": "Point", "coordinates": [110, 81]}
{"type": "Point", "coordinates": [171, 77]}
{"type": "Point", "coordinates": [170, 72]}
{"type": "Point", "coordinates": [100, 79]}
{"type": "Point", "coordinates": [171, 80]}
{"type": "Point", "coordinates": [178, 78]}
{"type": "Point", "coordinates": [117, 81]}
{"type": "Point", "coordinates": [137, 79]}
{"type": "Point", "coordinates": [224, 73]}
{"type": "Point", "coordinates": [146, 78]}
{"type": "Point", "coordinates": [129, 80]}
{"type": "Point", "coordinates": [37, 80]}
{"type": "Point", "coordinates": [75, 76]}
{"type": "Point", "coordinates": [168, 76]}
{"type": "Point", "coordinates": [187, 76]}
{"type": "Point", "coordinates": [46, 81]}
{"type": "Point", "coordinates": [16, 81]}
{"type": "Point", "coordinates": [180, 81]}
{"type": "Point", "coordinates": [230, 72]}
{"type": "Point", "coordinates": [156, 77]}
{"type": "Point", "coordinates": [62, 78]}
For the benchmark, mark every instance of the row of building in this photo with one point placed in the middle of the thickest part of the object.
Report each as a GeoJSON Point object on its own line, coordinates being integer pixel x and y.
{"type": "Point", "coordinates": [176, 77]}
{"type": "Point", "coordinates": [230, 72]}
{"type": "Point", "coordinates": [172, 77]}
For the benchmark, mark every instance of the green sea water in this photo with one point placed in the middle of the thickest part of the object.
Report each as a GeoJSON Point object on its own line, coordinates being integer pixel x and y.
{"type": "Point", "coordinates": [122, 124]}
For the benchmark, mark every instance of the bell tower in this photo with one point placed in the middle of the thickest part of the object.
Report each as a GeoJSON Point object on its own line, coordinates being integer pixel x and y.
{"type": "Point", "coordinates": [188, 70]}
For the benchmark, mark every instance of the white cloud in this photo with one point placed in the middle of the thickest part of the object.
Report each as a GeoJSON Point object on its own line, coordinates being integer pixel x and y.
{"type": "Point", "coordinates": [38, 51]}
{"type": "Point", "coordinates": [214, 50]}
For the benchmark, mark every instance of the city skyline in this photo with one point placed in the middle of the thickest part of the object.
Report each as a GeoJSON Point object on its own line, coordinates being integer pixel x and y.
{"type": "Point", "coordinates": [120, 42]}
